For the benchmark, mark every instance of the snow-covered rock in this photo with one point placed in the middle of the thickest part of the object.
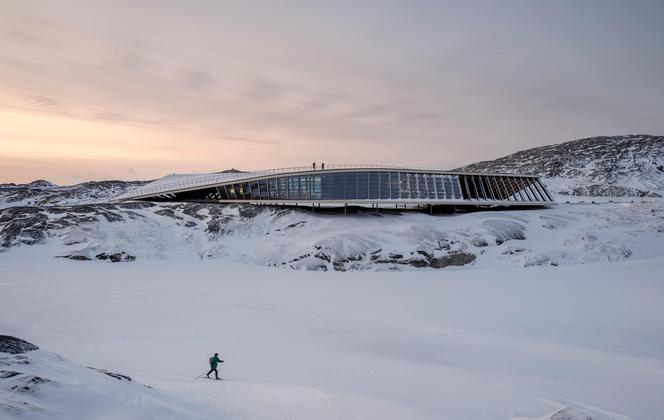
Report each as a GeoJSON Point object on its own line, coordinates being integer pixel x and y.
{"type": "Point", "coordinates": [607, 166]}
{"type": "Point", "coordinates": [39, 384]}
{"type": "Point", "coordinates": [298, 239]}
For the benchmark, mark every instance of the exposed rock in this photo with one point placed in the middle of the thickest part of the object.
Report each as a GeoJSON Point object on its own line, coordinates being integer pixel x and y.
{"type": "Point", "coordinates": [28, 384]}
{"type": "Point", "coordinates": [571, 413]}
{"type": "Point", "coordinates": [479, 242]}
{"type": "Point", "coordinates": [111, 216]}
{"type": "Point", "coordinates": [249, 211]}
{"type": "Point", "coordinates": [168, 212]}
{"type": "Point", "coordinates": [192, 210]}
{"type": "Point", "coordinates": [114, 375]}
{"type": "Point", "coordinates": [453, 259]}
{"type": "Point", "coordinates": [76, 257]}
{"type": "Point", "coordinates": [13, 345]}
{"type": "Point", "coordinates": [135, 205]}
{"type": "Point", "coordinates": [5, 374]}
{"type": "Point", "coordinates": [116, 257]}
{"type": "Point", "coordinates": [419, 263]}
{"type": "Point", "coordinates": [216, 226]}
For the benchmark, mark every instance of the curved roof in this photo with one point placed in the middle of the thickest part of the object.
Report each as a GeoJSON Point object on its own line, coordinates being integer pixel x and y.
{"type": "Point", "coordinates": [181, 181]}
{"type": "Point", "coordinates": [389, 184]}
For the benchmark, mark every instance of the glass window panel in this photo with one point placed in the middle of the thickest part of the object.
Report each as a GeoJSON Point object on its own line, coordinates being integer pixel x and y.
{"type": "Point", "coordinates": [244, 190]}
{"type": "Point", "coordinates": [362, 185]}
{"type": "Point", "coordinates": [385, 185]}
{"type": "Point", "coordinates": [304, 187]}
{"type": "Point", "coordinates": [447, 186]}
{"type": "Point", "coordinates": [223, 195]}
{"type": "Point", "coordinates": [351, 185]}
{"type": "Point", "coordinates": [374, 185]}
{"type": "Point", "coordinates": [293, 188]}
{"type": "Point", "coordinates": [253, 193]}
{"type": "Point", "coordinates": [456, 187]}
{"type": "Point", "coordinates": [282, 188]}
{"type": "Point", "coordinates": [404, 191]}
{"type": "Point", "coordinates": [440, 186]}
{"type": "Point", "coordinates": [231, 192]}
{"type": "Point", "coordinates": [339, 186]}
{"type": "Point", "coordinates": [272, 186]}
{"type": "Point", "coordinates": [315, 187]}
{"type": "Point", "coordinates": [431, 191]}
{"type": "Point", "coordinates": [395, 189]}
{"type": "Point", "coordinates": [416, 186]}
{"type": "Point", "coordinates": [238, 191]}
{"type": "Point", "coordinates": [263, 189]}
{"type": "Point", "coordinates": [327, 186]}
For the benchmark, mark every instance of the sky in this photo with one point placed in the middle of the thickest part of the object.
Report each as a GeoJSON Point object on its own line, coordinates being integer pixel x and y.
{"type": "Point", "coordinates": [93, 90]}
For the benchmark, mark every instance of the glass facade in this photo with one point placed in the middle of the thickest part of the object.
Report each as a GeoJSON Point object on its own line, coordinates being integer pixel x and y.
{"type": "Point", "coordinates": [349, 185]}
{"type": "Point", "coordinates": [371, 186]}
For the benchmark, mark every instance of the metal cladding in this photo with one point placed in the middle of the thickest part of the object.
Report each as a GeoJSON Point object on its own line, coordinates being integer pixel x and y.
{"type": "Point", "coordinates": [349, 185]}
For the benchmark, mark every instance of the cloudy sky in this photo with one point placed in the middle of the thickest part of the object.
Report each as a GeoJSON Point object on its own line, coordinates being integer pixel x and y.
{"type": "Point", "coordinates": [138, 89]}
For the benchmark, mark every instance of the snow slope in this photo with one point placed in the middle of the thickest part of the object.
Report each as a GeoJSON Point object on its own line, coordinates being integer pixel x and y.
{"type": "Point", "coordinates": [298, 239]}
{"type": "Point", "coordinates": [40, 384]}
{"type": "Point", "coordinates": [500, 343]}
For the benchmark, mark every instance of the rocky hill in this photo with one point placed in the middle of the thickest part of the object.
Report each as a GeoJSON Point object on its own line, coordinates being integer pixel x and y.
{"type": "Point", "coordinates": [44, 193]}
{"type": "Point", "coordinates": [616, 166]}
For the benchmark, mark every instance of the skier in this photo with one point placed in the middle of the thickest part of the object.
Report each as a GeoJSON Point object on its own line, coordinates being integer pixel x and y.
{"type": "Point", "coordinates": [214, 360]}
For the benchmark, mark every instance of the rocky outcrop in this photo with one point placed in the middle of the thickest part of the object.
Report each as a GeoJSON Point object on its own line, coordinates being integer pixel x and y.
{"type": "Point", "coordinates": [613, 166]}
{"type": "Point", "coordinates": [453, 259]}
{"type": "Point", "coordinates": [115, 257]}
{"type": "Point", "coordinates": [13, 345]}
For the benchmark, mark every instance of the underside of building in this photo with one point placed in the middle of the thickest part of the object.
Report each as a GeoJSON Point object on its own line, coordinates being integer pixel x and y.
{"type": "Point", "coordinates": [358, 185]}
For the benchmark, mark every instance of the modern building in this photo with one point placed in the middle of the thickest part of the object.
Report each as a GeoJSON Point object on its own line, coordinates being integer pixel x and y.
{"type": "Point", "coordinates": [350, 185]}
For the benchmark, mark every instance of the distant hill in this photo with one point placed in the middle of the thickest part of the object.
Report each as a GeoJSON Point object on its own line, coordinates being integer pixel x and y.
{"type": "Point", "coordinates": [631, 165]}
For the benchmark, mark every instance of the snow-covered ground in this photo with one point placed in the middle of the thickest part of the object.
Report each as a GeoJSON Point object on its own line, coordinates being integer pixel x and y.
{"type": "Point", "coordinates": [498, 343]}
{"type": "Point", "coordinates": [541, 311]}
{"type": "Point", "coordinates": [567, 234]}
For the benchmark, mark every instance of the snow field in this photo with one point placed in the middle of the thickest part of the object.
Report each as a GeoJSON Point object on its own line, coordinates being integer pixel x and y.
{"type": "Point", "coordinates": [500, 343]}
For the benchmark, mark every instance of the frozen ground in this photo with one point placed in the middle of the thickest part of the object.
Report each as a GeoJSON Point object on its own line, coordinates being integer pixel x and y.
{"type": "Point", "coordinates": [468, 343]}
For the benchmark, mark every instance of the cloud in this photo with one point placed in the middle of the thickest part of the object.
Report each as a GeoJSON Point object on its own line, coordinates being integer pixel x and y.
{"type": "Point", "coordinates": [379, 84]}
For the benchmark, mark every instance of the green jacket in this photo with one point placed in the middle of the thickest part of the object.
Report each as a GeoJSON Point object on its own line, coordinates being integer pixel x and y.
{"type": "Point", "coordinates": [214, 360]}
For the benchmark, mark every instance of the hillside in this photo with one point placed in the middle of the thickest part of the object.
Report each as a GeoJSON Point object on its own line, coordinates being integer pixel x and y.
{"type": "Point", "coordinates": [614, 166]}
{"type": "Point", "coordinates": [35, 384]}
{"type": "Point", "coordinates": [43, 193]}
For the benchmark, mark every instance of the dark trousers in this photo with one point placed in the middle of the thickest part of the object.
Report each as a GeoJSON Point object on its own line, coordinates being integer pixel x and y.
{"type": "Point", "coordinates": [216, 375]}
